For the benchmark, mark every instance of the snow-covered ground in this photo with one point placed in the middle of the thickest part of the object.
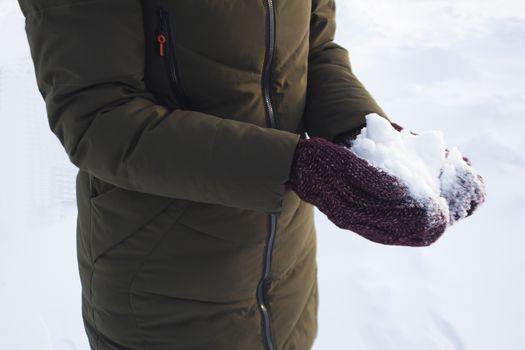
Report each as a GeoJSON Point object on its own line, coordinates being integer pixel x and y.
{"type": "Point", "coordinates": [450, 65]}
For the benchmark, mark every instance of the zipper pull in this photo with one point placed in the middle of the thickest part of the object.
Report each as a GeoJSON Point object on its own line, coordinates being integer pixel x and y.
{"type": "Point", "coordinates": [161, 39]}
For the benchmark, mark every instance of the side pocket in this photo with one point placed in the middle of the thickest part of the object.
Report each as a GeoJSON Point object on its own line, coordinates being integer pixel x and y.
{"type": "Point", "coordinates": [117, 213]}
{"type": "Point", "coordinates": [98, 187]}
{"type": "Point", "coordinates": [83, 195]}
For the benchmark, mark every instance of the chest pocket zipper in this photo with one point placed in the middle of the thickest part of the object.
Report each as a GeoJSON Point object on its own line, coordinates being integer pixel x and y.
{"type": "Point", "coordinates": [166, 51]}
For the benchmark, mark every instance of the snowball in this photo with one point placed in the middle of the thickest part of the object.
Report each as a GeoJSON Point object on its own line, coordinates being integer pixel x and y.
{"type": "Point", "coordinates": [419, 161]}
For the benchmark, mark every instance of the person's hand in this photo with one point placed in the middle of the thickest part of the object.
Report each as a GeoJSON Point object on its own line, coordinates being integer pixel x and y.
{"type": "Point", "coordinates": [465, 191]}
{"type": "Point", "coordinates": [463, 188]}
{"type": "Point", "coordinates": [357, 196]}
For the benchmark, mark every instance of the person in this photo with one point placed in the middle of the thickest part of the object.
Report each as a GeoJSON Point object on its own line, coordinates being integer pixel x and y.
{"type": "Point", "coordinates": [196, 183]}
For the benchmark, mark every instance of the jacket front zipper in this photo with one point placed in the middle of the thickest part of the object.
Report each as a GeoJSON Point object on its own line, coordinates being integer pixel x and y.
{"type": "Point", "coordinates": [272, 218]}
{"type": "Point", "coordinates": [166, 51]}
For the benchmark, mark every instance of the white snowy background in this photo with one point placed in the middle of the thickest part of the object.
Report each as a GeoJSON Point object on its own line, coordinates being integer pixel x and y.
{"type": "Point", "coordinates": [450, 65]}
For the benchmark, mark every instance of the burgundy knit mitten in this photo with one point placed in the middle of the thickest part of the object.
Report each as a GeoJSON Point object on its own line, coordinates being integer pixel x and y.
{"type": "Point", "coordinates": [464, 194]}
{"type": "Point", "coordinates": [464, 191]}
{"type": "Point", "coordinates": [357, 196]}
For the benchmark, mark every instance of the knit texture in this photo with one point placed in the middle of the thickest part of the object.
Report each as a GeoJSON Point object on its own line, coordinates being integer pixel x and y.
{"type": "Point", "coordinates": [464, 195]}
{"type": "Point", "coordinates": [359, 197]}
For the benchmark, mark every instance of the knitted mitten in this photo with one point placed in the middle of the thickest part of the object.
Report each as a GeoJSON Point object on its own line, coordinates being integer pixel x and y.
{"type": "Point", "coordinates": [464, 191]}
{"type": "Point", "coordinates": [462, 187]}
{"type": "Point", "coordinates": [357, 196]}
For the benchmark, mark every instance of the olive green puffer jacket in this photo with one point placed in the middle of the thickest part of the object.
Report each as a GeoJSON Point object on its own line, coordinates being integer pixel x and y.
{"type": "Point", "coordinates": [182, 118]}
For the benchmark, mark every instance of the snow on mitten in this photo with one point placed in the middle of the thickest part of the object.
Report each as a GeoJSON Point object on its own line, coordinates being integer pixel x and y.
{"type": "Point", "coordinates": [346, 138]}
{"type": "Point", "coordinates": [357, 196]}
{"type": "Point", "coordinates": [461, 186]}
{"type": "Point", "coordinates": [422, 162]}
{"type": "Point", "coordinates": [400, 128]}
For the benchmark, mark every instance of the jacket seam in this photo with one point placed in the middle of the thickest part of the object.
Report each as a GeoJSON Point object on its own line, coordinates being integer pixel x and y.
{"type": "Point", "coordinates": [92, 306]}
{"type": "Point", "coordinates": [143, 262]}
{"type": "Point", "coordinates": [290, 57]}
{"type": "Point", "coordinates": [206, 234]}
{"type": "Point", "coordinates": [42, 10]}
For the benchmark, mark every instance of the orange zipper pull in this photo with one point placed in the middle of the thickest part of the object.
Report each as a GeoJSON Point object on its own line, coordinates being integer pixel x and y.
{"type": "Point", "coordinates": [161, 39]}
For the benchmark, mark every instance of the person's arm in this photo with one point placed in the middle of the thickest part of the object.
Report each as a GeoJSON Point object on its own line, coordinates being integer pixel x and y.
{"type": "Point", "coordinates": [89, 63]}
{"type": "Point", "coordinates": [337, 102]}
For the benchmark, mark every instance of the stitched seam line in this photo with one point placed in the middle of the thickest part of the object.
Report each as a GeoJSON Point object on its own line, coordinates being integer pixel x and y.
{"type": "Point", "coordinates": [150, 219]}
{"type": "Point", "coordinates": [41, 10]}
{"type": "Point", "coordinates": [144, 259]}
{"type": "Point", "coordinates": [232, 241]}
{"type": "Point", "coordinates": [92, 269]}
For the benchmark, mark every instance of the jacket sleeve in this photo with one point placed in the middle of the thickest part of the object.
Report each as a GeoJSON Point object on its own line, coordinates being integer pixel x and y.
{"type": "Point", "coordinates": [336, 100]}
{"type": "Point", "coordinates": [88, 57]}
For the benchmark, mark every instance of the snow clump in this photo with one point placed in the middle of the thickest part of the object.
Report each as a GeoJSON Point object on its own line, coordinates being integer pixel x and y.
{"type": "Point", "coordinates": [434, 176]}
